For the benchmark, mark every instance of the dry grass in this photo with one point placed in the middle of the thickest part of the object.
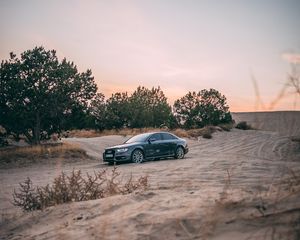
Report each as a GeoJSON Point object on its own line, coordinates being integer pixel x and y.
{"type": "Point", "coordinates": [38, 153]}
{"type": "Point", "coordinates": [265, 208]}
{"type": "Point", "coordinates": [226, 126]}
{"type": "Point", "coordinates": [190, 133]}
{"type": "Point", "coordinates": [205, 132]}
{"type": "Point", "coordinates": [75, 188]}
{"type": "Point", "coordinates": [94, 133]}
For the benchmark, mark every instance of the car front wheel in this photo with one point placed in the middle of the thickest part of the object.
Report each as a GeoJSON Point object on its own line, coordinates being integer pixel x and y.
{"type": "Point", "coordinates": [179, 154]}
{"type": "Point", "coordinates": [137, 156]}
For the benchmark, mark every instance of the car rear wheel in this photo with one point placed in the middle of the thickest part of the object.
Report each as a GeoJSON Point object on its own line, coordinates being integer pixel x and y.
{"type": "Point", "coordinates": [179, 154]}
{"type": "Point", "coordinates": [137, 156]}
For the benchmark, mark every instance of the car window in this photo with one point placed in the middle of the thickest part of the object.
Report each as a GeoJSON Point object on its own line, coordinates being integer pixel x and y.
{"type": "Point", "coordinates": [155, 137]}
{"type": "Point", "coordinates": [167, 136]}
{"type": "Point", "coordinates": [138, 138]}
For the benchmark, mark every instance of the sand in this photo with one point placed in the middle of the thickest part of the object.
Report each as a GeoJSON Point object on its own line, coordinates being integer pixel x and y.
{"type": "Point", "coordinates": [284, 122]}
{"type": "Point", "coordinates": [237, 185]}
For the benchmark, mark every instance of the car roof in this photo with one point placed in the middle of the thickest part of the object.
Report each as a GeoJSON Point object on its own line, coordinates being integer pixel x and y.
{"type": "Point", "coordinates": [162, 132]}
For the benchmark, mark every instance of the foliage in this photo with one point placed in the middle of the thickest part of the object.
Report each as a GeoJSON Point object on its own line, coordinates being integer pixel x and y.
{"type": "Point", "coordinates": [3, 138]}
{"type": "Point", "coordinates": [97, 111]}
{"type": "Point", "coordinates": [206, 107]}
{"type": "Point", "coordinates": [40, 95]}
{"type": "Point", "coordinates": [38, 92]}
{"type": "Point", "coordinates": [118, 111]}
{"type": "Point", "coordinates": [74, 188]}
{"type": "Point", "coordinates": [144, 108]}
{"type": "Point", "coordinates": [149, 108]}
{"type": "Point", "coordinates": [26, 197]}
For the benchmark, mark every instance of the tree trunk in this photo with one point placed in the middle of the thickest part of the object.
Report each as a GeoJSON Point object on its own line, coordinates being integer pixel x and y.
{"type": "Point", "coordinates": [37, 130]}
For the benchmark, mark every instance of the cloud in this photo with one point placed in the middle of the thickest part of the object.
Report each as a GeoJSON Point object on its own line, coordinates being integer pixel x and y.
{"type": "Point", "coordinates": [291, 57]}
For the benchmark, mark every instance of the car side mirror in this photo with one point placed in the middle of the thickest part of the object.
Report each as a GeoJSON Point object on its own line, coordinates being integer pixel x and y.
{"type": "Point", "coordinates": [151, 140]}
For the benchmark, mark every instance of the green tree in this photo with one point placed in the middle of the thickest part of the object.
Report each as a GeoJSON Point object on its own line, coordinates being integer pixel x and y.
{"type": "Point", "coordinates": [206, 107]}
{"type": "Point", "coordinates": [37, 92]}
{"type": "Point", "coordinates": [117, 111]}
{"type": "Point", "coordinates": [98, 111]}
{"type": "Point", "coordinates": [149, 108]}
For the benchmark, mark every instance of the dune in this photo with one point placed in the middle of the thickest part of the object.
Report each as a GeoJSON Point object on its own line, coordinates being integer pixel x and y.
{"type": "Point", "coordinates": [284, 122]}
{"type": "Point", "coordinates": [237, 185]}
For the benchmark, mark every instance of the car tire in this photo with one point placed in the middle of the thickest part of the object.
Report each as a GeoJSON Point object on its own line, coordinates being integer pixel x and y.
{"type": "Point", "coordinates": [179, 153]}
{"type": "Point", "coordinates": [137, 156]}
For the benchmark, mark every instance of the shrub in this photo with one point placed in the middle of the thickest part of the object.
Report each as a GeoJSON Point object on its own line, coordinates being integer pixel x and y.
{"type": "Point", "coordinates": [26, 197]}
{"type": "Point", "coordinates": [208, 131]}
{"type": "Point", "coordinates": [243, 125]}
{"type": "Point", "coordinates": [207, 135]}
{"type": "Point", "coordinates": [295, 138]}
{"type": "Point", "coordinates": [74, 188]}
{"type": "Point", "coordinates": [199, 109]}
{"type": "Point", "coordinates": [226, 126]}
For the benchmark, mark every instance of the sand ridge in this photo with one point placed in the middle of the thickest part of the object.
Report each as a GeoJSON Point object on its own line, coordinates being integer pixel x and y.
{"type": "Point", "coordinates": [286, 123]}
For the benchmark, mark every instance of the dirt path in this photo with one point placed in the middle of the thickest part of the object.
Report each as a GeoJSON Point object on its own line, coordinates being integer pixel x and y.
{"type": "Point", "coordinates": [183, 199]}
{"type": "Point", "coordinates": [95, 146]}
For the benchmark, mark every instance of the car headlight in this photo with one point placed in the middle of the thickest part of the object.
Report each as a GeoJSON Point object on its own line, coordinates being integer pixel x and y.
{"type": "Point", "coordinates": [121, 150]}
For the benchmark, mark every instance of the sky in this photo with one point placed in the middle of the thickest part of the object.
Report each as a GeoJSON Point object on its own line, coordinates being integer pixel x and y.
{"type": "Point", "coordinates": [179, 45]}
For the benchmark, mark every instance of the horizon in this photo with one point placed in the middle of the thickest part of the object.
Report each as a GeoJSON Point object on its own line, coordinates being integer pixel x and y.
{"type": "Point", "coordinates": [229, 46]}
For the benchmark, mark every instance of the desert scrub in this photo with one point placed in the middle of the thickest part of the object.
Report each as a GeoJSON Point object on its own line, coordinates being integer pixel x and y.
{"type": "Point", "coordinates": [226, 126]}
{"type": "Point", "coordinates": [243, 126]}
{"type": "Point", "coordinates": [185, 133]}
{"type": "Point", "coordinates": [38, 153]}
{"type": "Point", "coordinates": [75, 188]}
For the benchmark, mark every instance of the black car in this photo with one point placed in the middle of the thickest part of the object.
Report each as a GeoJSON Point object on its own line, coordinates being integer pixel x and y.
{"type": "Point", "coordinates": [147, 146]}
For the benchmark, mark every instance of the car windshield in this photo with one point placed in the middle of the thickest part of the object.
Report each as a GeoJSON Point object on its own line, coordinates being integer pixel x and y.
{"type": "Point", "coordinates": [138, 138]}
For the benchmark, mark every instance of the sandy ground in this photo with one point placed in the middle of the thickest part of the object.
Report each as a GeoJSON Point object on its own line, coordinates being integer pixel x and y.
{"type": "Point", "coordinates": [232, 186]}
{"type": "Point", "coordinates": [284, 122]}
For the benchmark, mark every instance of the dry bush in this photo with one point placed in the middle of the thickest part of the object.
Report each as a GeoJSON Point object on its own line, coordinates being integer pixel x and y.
{"type": "Point", "coordinates": [74, 188]}
{"type": "Point", "coordinates": [243, 126]}
{"type": "Point", "coordinates": [81, 133]}
{"type": "Point", "coordinates": [194, 133]}
{"type": "Point", "coordinates": [295, 138]}
{"type": "Point", "coordinates": [226, 126]}
{"type": "Point", "coordinates": [37, 152]}
{"type": "Point", "coordinates": [207, 135]}
{"type": "Point", "coordinates": [206, 132]}
{"type": "Point", "coordinates": [94, 133]}
{"type": "Point", "coordinates": [180, 132]}
{"type": "Point", "coordinates": [288, 185]}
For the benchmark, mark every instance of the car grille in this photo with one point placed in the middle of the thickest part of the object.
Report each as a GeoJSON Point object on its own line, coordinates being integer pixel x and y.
{"type": "Point", "coordinates": [108, 153]}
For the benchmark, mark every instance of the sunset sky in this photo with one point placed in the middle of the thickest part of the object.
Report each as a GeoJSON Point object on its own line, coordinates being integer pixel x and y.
{"type": "Point", "coordinates": [179, 45]}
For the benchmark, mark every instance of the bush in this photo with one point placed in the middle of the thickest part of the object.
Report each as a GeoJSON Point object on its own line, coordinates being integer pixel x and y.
{"type": "Point", "coordinates": [75, 188]}
{"type": "Point", "coordinates": [226, 126]}
{"type": "Point", "coordinates": [207, 135]}
{"type": "Point", "coordinates": [199, 109]}
{"type": "Point", "coordinates": [243, 125]}
{"type": "Point", "coordinates": [3, 142]}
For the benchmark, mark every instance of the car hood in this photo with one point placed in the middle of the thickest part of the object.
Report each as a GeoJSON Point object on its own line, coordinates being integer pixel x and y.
{"type": "Point", "coordinates": [126, 145]}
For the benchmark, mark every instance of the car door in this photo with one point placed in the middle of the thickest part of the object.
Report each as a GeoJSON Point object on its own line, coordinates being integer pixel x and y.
{"type": "Point", "coordinates": [154, 146]}
{"type": "Point", "coordinates": [169, 143]}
